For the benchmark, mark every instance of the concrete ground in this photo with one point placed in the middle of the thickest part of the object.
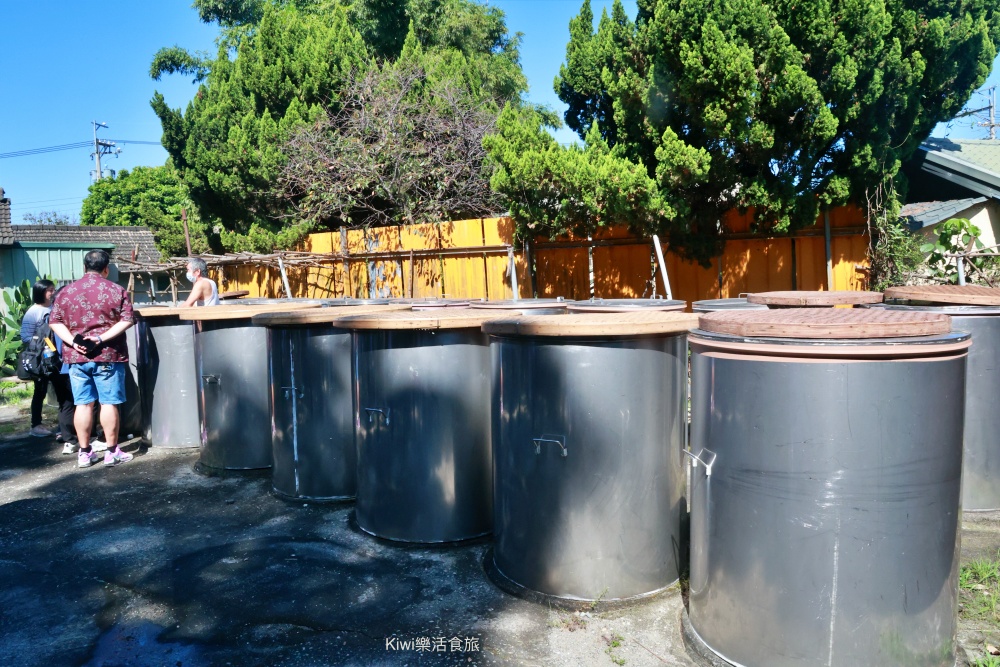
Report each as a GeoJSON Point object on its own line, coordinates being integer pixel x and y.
{"type": "Point", "coordinates": [150, 563]}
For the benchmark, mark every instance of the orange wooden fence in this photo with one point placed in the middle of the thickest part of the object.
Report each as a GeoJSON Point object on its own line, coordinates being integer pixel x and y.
{"type": "Point", "coordinates": [471, 259]}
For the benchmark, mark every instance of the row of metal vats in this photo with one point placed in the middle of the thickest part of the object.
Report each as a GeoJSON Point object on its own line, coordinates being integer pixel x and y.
{"type": "Point", "coordinates": [821, 474]}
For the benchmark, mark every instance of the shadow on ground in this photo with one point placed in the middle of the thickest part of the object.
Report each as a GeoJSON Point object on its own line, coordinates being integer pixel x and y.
{"type": "Point", "coordinates": [150, 563]}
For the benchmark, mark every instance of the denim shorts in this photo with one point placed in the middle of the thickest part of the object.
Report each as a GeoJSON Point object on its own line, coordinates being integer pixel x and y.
{"type": "Point", "coordinates": [93, 381]}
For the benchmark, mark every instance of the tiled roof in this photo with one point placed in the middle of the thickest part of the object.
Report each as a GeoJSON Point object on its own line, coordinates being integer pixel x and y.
{"type": "Point", "coordinates": [972, 164]}
{"type": "Point", "coordinates": [124, 239]}
{"type": "Point", "coordinates": [982, 153]}
{"type": "Point", "coordinates": [6, 235]}
{"type": "Point", "coordinates": [922, 214]}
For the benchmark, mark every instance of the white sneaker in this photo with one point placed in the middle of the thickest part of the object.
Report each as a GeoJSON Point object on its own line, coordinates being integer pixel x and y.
{"type": "Point", "coordinates": [99, 445]}
{"type": "Point", "coordinates": [70, 448]}
{"type": "Point", "coordinates": [40, 432]}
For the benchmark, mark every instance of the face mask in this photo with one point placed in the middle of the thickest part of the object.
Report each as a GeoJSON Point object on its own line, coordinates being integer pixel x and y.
{"type": "Point", "coordinates": [190, 277]}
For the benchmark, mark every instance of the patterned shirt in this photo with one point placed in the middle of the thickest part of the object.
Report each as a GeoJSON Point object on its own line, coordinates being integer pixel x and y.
{"type": "Point", "coordinates": [89, 307]}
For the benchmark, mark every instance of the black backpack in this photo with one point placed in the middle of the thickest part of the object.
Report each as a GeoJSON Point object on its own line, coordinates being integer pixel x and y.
{"type": "Point", "coordinates": [39, 359]}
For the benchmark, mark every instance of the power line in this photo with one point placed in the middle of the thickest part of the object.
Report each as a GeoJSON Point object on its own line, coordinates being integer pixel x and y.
{"type": "Point", "coordinates": [19, 204]}
{"type": "Point", "coordinates": [47, 149]}
{"type": "Point", "coordinates": [130, 141]}
{"type": "Point", "coordinates": [67, 147]}
{"type": "Point", "coordinates": [57, 209]}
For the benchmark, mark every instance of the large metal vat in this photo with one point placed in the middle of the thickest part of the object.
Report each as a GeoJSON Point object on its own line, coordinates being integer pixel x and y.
{"type": "Point", "coordinates": [233, 389]}
{"type": "Point", "coordinates": [131, 422]}
{"type": "Point", "coordinates": [167, 377]}
{"type": "Point", "coordinates": [713, 305]}
{"type": "Point", "coordinates": [825, 488]}
{"type": "Point", "coordinates": [625, 305]}
{"type": "Point", "coordinates": [981, 461]}
{"type": "Point", "coordinates": [589, 423]}
{"type": "Point", "coordinates": [312, 422]}
{"type": "Point", "coordinates": [422, 424]}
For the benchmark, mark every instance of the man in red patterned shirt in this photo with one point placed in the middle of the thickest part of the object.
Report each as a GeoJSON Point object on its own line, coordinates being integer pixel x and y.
{"type": "Point", "coordinates": [90, 316]}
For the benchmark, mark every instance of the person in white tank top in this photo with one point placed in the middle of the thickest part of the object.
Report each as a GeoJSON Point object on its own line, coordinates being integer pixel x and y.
{"type": "Point", "coordinates": [204, 291]}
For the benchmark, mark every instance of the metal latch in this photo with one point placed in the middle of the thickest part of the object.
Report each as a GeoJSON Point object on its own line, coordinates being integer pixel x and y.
{"type": "Point", "coordinates": [371, 414]}
{"type": "Point", "coordinates": [212, 379]}
{"type": "Point", "coordinates": [289, 390]}
{"type": "Point", "coordinates": [553, 439]}
{"type": "Point", "coordinates": [696, 460]}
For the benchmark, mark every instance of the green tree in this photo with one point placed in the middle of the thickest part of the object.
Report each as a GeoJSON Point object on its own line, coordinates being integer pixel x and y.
{"type": "Point", "coordinates": [50, 218]}
{"type": "Point", "coordinates": [226, 146]}
{"type": "Point", "coordinates": [781, 107]}
{"type": "Point", "coordinates": [152, 197]}
{"type": "Point", "coordinates": [405, 147]}
{"type": "Point", "coordinates": [554, 189]}
{"type": "Point", "coordinates": [281, 67]}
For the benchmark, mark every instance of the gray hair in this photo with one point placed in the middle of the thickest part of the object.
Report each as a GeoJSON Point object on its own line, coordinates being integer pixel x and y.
{"type": "Point", "coordinates": [199, 264]}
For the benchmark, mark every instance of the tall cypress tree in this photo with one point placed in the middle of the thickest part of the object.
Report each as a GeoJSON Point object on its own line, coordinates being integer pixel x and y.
{"type": "Point", "coordinates": [785, 107]}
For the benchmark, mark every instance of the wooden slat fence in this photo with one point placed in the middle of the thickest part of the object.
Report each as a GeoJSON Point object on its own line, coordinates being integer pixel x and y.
{"type": "Point", "coordinates": [471, 259]}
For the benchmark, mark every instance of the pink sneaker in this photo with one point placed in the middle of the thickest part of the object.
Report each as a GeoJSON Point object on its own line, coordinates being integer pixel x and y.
{"type": "Point", "coordinates": [116, 458]}
{"type": "Point", "coordinates": [86, 459]}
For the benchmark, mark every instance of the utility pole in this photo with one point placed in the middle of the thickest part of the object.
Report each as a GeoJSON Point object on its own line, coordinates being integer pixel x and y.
{"type": "Point", "coordinates": [993, 107]}
{"type": "Point", "coordinates": [991, 124]}
{"type": "Point", "coordinates": [102, 147]}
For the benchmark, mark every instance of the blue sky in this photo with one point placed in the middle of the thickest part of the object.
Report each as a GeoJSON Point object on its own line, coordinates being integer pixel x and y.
{"type": "Point", "coordinates": [66, 63]}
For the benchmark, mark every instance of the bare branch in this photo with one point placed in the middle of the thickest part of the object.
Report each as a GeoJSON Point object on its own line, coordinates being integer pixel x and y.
{"type": "Point", "coordinates": [403, 148]}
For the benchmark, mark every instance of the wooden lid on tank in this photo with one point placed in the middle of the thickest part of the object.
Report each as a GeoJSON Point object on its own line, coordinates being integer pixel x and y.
{"type": "Point", "coordinates": [815, 299]}
{"type": "Point", "coordinates": [520, 304]}
{"type": "Point", "coordinates": [963, 295]}
{"type": "Point", "coordinates": [439, 318]}
{"type": "Point", "coordinates": [210, 313]}
{"type": "Point", "coordinates": [594, 324]}
{"type": "Point", "coordinates": [148, 311]}
{"type": "Point", "coordinates": [625, 305]}
{"type": "Point", "coordinates": [322, 315]}
{"type": "Point", "coordinates": [834, 323]}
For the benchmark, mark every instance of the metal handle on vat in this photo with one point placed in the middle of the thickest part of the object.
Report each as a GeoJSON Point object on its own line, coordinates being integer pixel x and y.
{"type": "Point", "coordinates": [298, 392]}
{"type": "Point", "coordinates": [212, 379]}
{"type": "Point", "coordinates": [554, 439]}
{"type": "Point", "coordinates": [384, 413]}
{"type": "Point", "coordinates": [697, 459]}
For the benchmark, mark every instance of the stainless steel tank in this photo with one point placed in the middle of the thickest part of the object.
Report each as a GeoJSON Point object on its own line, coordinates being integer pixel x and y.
{"type": "Point", "coordinates": [130, 415]}
{"type": "Point", "coordinates": [626, 305]}
{"type": "Point", "coordinates": [167, 378]}
{"type": "Point", "coordinates": [422, 425]}
{"type": "Point", "coordinates": [589, 425]}
{"type": "Point", "coordinates": [712, 305]}
{"type": "Point", "coordinates": [312, 422]}
{"type": "Point", "coordinates": [981, 460]}
{"type": "Point", "coordinates": [231, 368]}
{"type": "Point", "coordinates": [825, 497]}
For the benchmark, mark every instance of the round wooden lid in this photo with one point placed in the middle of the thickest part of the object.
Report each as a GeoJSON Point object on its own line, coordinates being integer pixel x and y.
{"type": "Point", "coordinates": [320, 315]}
{"type": "Point", "coordinates": [966, 295]}
{"type": "Point", "coordinates": [234, 312]}
{"type": "Point", "coordinates": [521, 304]}
{"type": "Point", "coordinates": [812, 323]}
{"type": "Point", "coordinates": [625, 305]}
{"type": "Point", "coordinates": [806, 298]}
{"type": "Point", "coordinates": [160, 311]}
{"type": "Point", "coordinates": [439, 318]}
{"type": "Point", "coordinates": [594, 324]}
